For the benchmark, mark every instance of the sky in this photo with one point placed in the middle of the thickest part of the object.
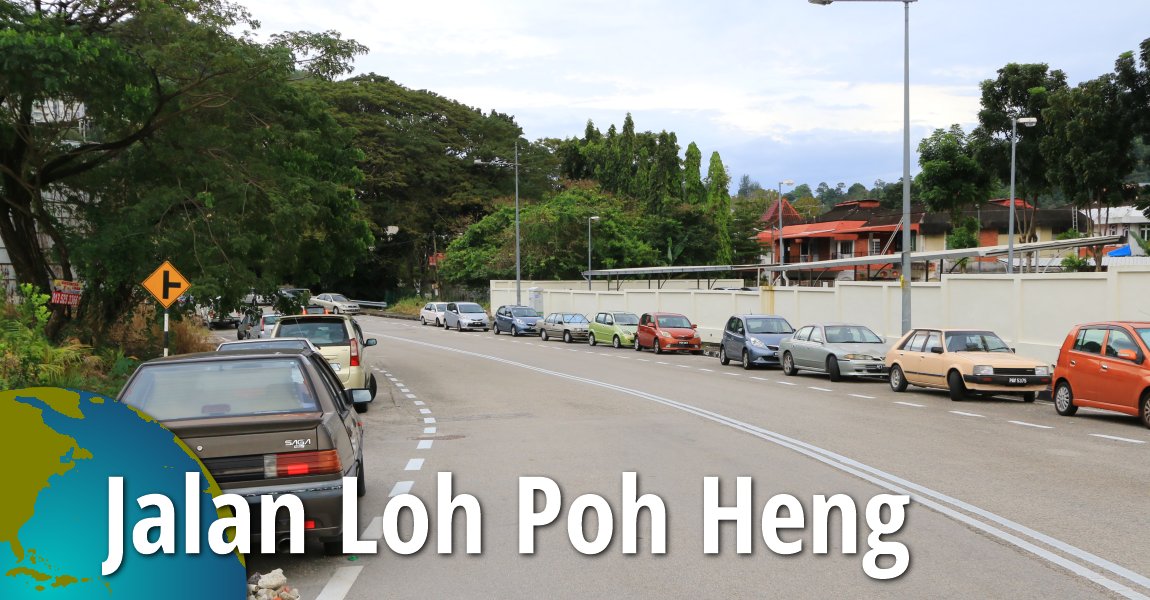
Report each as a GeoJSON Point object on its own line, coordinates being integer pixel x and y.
{"type": "Point", "coordinates": [782, 89]}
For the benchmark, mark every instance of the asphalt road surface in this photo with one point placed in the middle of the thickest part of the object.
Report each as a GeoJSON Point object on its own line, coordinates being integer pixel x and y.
{"type": "Point", "coordinates": [1007, 499]}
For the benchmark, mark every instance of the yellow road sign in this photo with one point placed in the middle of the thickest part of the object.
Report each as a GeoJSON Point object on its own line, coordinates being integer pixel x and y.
{"type": "Point", "coordinates": [166, 284]}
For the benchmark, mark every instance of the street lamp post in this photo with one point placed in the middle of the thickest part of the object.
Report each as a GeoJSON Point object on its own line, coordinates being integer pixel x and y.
{"type": "Point", "coordinates": [518, 276]}
{"type": "Point", "coordinates": [782, 249]}
{"type": "Point", "coordinates": [906, 270]}
{"type": "Point", "coordinates": [1014, 121]}
{"type": "Point", "coordinates": [589, 220]}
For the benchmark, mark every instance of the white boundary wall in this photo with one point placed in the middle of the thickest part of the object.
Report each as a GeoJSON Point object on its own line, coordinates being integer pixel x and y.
{"type": "Point", "coordinates": [1032, 312]}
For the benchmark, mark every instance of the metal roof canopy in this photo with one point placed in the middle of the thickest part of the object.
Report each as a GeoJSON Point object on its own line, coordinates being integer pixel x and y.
{"type": "Point", "coordinates": [866, 260]}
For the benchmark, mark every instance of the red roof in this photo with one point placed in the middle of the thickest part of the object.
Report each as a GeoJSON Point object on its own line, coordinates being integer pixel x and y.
{"type": "Point", "coordinates": [790, 215]}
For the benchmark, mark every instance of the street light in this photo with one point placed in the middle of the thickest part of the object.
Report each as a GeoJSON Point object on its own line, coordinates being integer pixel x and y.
{"type": "Point", "coordinates": [518, 278]}
{"type": "Point", "coordinates": [782, 251]}
{"type": "Point", "coordinates": [906, 289]}
{"type": "Point", "coordinates": [1014, 121]}
{"type": "Point", "coordinates": [589, 220]}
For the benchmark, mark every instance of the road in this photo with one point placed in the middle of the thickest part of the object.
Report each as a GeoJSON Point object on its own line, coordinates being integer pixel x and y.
{"type": "Point", "coordinates": [1008, 499]}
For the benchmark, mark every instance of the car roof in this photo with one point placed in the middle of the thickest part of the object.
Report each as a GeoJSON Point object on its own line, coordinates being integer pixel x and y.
{"type": "Point", "coordinates": [760, 316]}
{"type": "Point", "coordinates": [327, 317]}
{"type": "Point", "coordinates": [1104, 323]}
{"type": "Point", "coordinates": [666, 314]}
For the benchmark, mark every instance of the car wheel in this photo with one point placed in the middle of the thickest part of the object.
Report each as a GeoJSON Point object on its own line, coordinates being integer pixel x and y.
{"type": "Point", "coordinates": [1029, 396]}
{"type": "Point", "coordinates": [955, 386]}
{"type": "Point", "coordinates": [638, 347]}
{"type": "Point", "coordinates": [496, 329]}
{"type": "Point", "coordinates": [459, 326]}
{"type": "Point", "coordinates": [422, 321]}
{"type": "Point", "coordinates": [723, 360]}
{"type": "Point", "coordinates": [566, 337]}
{"type": "Point", "coordinates": [543, 335]}
{"type": "Point", "coordinates": [514, 331]}
{"type": "Point", "coordinates": [1064, 400]}
{"type": "Point", "coordinates": [833, 368]}
{"type": "Point", "coordinates": [789, 364]}
{"type": "Point", "coordinates": [591, 339]}
{"type": "Point", "coordinates": [747, 361]}
{"type": "Point", "coordinates": [361, 484]}
{"type": "Point", "coordinates": [333, 548]}
{"type": "Point", "coordinates": [437, 323]}
{"type": "Point", "coordinates": [1145, 410]}
{"type": "Point", "coordinates": [616, 342]}
{"type": "Point", "coordinates": [897, 379]}
{"type": "Point", "coordinates": [484, 330]}
{"type": "Point", "coordinates": [658, 348]}
{"type": "Point", "coordinates": [335, 310]}
{"type": "Point", "coordinates": [371, 385]}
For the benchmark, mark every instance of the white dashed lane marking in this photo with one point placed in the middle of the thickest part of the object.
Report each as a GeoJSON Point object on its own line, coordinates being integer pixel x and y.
{"type": "Point", "coordinates": [424, 445]}
{"type": "Point", "coordinates": [401, 487]}
{"type": "Point", "coordinates": [1118, 439]}
{"type": "Point", "coordinates": [414, 464]}
{"type": "Point", "coordinates": [1025, 424]}
{"type": "Point", "coordinates": [787, 383]}
{"type": "Point", "coordinates": [862, 396]}
{"type": "Point", "coordinates": [965, 414]}
{"type": "Point", "coordinates": [425, 411]}
{"type": "Point", "coordinates": [909, 404]}
{"type": "Point", "coordinates": [759, 378]}
{"type": "Point", "coordinates": [811, 387]}
{"type": "Point", "coordinates": [429, 430]}
{"type": "Point", "coordinates": [428, 420]}
{"type": "Point", "coordinates": [419, 402]}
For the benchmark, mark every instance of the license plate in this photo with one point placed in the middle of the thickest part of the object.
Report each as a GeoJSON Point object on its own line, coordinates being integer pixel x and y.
{"type": "Point", "coordinates": [1016, 381]}
{"type": "Point", "coordinates": [335, 366]}
{"type": "Point", "coordinates": [684, 343]}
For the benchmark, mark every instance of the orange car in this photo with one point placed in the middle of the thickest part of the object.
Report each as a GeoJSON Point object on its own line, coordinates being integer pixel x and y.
{"type": "Point", "coordinates": [667, 331]}
{"type": "Point", "coordinates": [1104, 365]}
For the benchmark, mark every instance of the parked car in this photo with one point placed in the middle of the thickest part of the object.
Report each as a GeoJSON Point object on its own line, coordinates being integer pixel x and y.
{"type": "Point", "coordinates": [264, 423]}
{"type": "Point", "coordinates": [1104, 365]}
{"type": "Point", "coordinates": [618, 327]}
{"type": "Point", "coordinates": [335, 303]}
{"type": "Point", "coordinates": [465, 315]}
{"type": "Point", "coordinates": [667, 331]}
{"type": "Point", "coordinates": [837, 349]}
{"type": "Point", "coordinates": [963, 361]}
{"type": "Point", "coordinates": [516, 320]}
{"type": "Point", "coordinates": [216, 316]}
{"type": "Point", "coordinates": [341, 341]}
{"type": "Point", "coordinates": [432, 312]}
{"type": "Point", "coordinates": [569, 327]}
{"type": "Point", "coordinates": [268, 344]}
{"type": "Point", "coordinates": [753, 339]}
{"type": "Point", "coordinates": [314, 310]}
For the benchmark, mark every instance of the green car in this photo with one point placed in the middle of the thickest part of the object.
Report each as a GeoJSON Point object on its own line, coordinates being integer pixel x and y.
{"type": "Point", "coordinates": [615, 328]}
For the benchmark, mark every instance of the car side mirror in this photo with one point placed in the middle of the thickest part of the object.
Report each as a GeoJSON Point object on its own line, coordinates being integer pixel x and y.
{"type": "Point", "coordinates": [559, 322]}
{"type": "Point", "coordinates": [370, 342]}
{"type": "Point", "coordinates": [1013, 350]}
{"type": "Point", "coordinates": [694, 325]}
{"type": "Point", "coordinates": [360, 396]}
{"type": "Point", "coordinates": [936, 349]}
{"type": "Point", "coordinates": [1127, 354]}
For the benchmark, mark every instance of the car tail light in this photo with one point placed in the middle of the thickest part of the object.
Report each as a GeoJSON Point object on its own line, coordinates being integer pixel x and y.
{"type": "Point", "coordinates": [291, 464]}
{"type": "Point", "coordinates": [354, 353]}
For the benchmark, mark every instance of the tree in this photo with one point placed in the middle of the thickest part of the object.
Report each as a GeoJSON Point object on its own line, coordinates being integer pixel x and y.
{"type": "Point", "coordinates": [857, 191]}
{"type": "Point", "coordinates": [809, 207]}
{"type": "Point", "coordinates": [951, 179]}
{"type": "Point", "coordinates": [748, 187]}
{"type": "Point", "coordinates": [830, 196]}
{"type": "Point", "coordinates": [693, 190]}
{"type": "Point", "coordinates": [719, 207]}
{"type": "Point", "coordinates": [1133, 72]}
{"type": "Point", "coordinates": [85, 84]}
{"type": "Point", "coordinates": [801, 190]}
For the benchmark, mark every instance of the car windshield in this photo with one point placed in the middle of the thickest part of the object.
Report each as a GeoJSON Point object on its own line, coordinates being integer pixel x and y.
{"type": "Point", "coordinates": [974, 341]}
{"type": "Point", "coordinates": [771, 325]}
{"type": "Point", "coordinates": [469, 307]}
{"type": "Point", "coordinates": [271, 319]}
{"type": "Point", "coordinates": [626, 319]}
{"type": "Point", "coordinates": [268, 344]}
{"type": "Point", "coordinates": [221, 388]}
{"type": "Point", "coordinates": [678, 321]}
{"type": "Point", "coordinates": [339, 298]}
{"type": "Point", "coordinates": [851, 334]}
{"type": "Point", "coordinates": [440, 307]}
{"type": "Point", "coordinates": [573, 318]}
{"type": "Point", "coordinates": [321, 333]}
{"type": "Point", "coordinates": [524, 312]}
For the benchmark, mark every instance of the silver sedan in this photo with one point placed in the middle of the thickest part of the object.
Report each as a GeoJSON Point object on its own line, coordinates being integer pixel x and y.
{"type": "Point", "coordinates": [837, 349]}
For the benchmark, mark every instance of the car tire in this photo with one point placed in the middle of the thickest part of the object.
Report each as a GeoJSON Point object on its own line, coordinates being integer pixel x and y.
{"type": "Point", "coordinates": [1144, 411]}
{"type": "Point", "coordinates": [566, 337]}
{"type": "Point", "coordinates": [515, 331]}
{"type": "Point", "coordinates": [437, 323]}
{"type": "Point", "coordinates": [616, 342]}
{"type": "Point", "coordinates": [459, 326]}
{"type": "Point", "coordinates": [422, 321]}
{"type": "Point", "coordinates": [658, 348]}
{"type": "Point", "coordinates": [638, 346]}
{"type": "Point", "coordinates": [1064, 399]}
{"type": "Point", "coordinates": [333, 547]}
{"type": "Point", "coordinates": [543, 335]}
{"type": "Point", "coordinates": [591, 339]}
{"type": "Point", "coordinates": [897, 379]}
{"type": "Point", "coordinates": [789, 365]}
{"type": "Point", "coordinates": [373, 386]}
{"type": "Point", "coordinates": [723, 360]}
{"type": "Point", "coordinates": [361, 484]}
{"type": "Point", "coordinates": [747, 366]}
{"type": "Point", "coordinates": [495, 329]}
{"type": "Point", "coordinates": [955, 386]}
{"type": "Point", "coordinates": [833, 368]}
{"type": "Point", "coordinates": [335, 310]}
{"type": "Point", "coordinates": [484, 330]}
{"type": "Point", "coordinates": [1029, 396]}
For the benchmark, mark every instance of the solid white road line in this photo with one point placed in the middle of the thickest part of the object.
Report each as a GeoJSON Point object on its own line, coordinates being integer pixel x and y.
{"type": "Point", "coordinates": [958, 510]}
{"type": "Point", "coordinates": [340, 583]}
{"type": "Point", "coordinates": [401, 487]}
{"type": "Point", "coordinates": [1117, 439]}
{"type": "Point", "coordinates": [965, 414]}
{"type": "Point", "coordinates": [414, 464]}
{"type": "Point", "coordinates": [1025, 424]}
{"type": "Point", "coordinates": [862, 396]}
{"type": "Point", "coordinates": [909, 404]}
{"type": "Point", "coordinates": [423, 445]}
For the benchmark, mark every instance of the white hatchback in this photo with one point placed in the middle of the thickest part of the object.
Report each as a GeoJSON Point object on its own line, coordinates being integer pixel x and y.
{"type": "Point", "coordinates": [432, 313]}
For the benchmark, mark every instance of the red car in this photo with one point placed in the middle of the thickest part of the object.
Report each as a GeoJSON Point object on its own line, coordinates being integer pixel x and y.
{"type": "Point", "coordinates": [667, 332]}
{"type": "Point", "coordinates": [1104, 365]}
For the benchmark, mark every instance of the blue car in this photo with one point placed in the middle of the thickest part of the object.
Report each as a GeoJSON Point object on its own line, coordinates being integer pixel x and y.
{"type": "Point", "coordinates": [516, 320]}
{"type": "Point", "coordinates": [753, 339]}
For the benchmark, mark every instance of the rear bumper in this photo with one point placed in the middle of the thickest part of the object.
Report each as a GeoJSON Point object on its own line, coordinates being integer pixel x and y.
{"type": "Point", "coordinates": [322, 504]}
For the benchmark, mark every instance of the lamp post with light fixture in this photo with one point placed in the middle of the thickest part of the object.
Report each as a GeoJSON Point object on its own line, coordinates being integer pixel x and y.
{"type": "Point", "coordinates": [906, 269]}
{"type": "Point", "coordinates": [518, 277]}
{"type": "Point", "coordinates": [1014, 121]}
{"type": "Point", "coordinates": [589, 220]}
{"type": "Point", "coordinates": [782, 250]}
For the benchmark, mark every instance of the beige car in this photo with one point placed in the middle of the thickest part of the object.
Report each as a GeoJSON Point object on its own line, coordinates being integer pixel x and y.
{"type": "Point", "coordinates": [964, 362]}
{"type": "Point", "coordinates": [340, 341]}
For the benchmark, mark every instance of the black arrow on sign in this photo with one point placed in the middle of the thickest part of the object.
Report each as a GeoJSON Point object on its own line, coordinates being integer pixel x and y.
{"type": "Point", "coordinates": [168, 284]}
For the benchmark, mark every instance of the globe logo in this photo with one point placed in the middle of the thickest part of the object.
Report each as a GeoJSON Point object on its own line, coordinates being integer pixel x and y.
{"type": "Point", "coordinates": [60, 448]}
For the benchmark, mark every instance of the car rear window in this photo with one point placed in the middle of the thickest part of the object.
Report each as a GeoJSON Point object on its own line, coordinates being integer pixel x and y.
{"type": "Point", "coordinates": [265, 344]}
{"type": "Point", "coordinates": [223, 388]}
{"type": "Point", "coordinates": [321, 333]}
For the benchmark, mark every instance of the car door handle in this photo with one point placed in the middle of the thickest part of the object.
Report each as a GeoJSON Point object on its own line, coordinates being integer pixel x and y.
{"type": "Point", "coordinates": [1073, 363]}
{"type": "Point", "coordinates": [1105, 368]}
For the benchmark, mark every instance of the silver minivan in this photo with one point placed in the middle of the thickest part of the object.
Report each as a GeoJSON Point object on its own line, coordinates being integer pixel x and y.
{"type": "Point", "coordinates": [465, 315]}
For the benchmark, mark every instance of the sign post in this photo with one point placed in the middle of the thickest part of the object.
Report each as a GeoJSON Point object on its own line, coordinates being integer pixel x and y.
{"type": "Point", "coordinates": [166, 284]}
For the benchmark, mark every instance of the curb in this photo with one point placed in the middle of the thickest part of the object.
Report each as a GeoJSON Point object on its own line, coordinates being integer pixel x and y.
{"type": "Point", "coordinates": [389, 315]}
